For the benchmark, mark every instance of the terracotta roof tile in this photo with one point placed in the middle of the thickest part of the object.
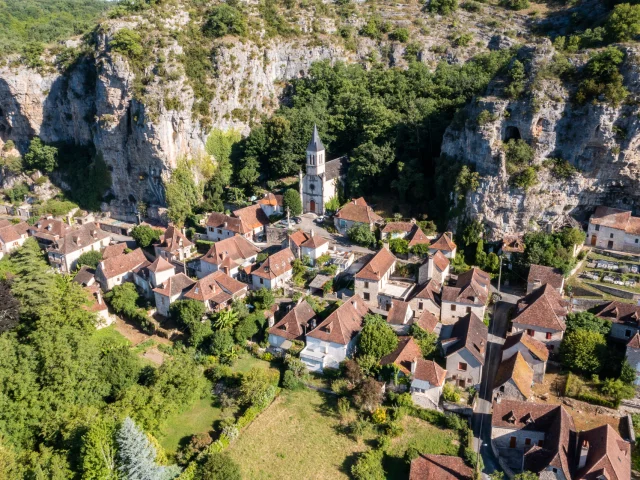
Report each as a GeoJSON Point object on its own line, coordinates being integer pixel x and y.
{"type": "Point", "coordinates": [633, 227]}
{"type": "Point", "coordinates": [298, 237]}
{"type": "Point", "coordinates": [49, 228]}
{"type": "Point", "coordinates": [517, 369]}
{"type": "Point", "coordinates": [534, 346]}
{"type": "Point", "coordinates": [173, 239]}
{"type": "Point", "coordinates": [217, 287]}
{"type": "Point", "coordinates": [222, 221]}
{"type": "Point", "coordinates": [252, 216]}
{"type": "Point", "coordinates": [272, 200]}
{"type": "Point", "coordinates": [121, 264]}
{"type": "Point", "coordinates": [174, 285]}
{"type": "Point", "coordinates": [74, 240]}
{"type": "Point", "coordinates": [417, 237]}
{"type": "Point", "coordinates": [358, 211]}
{"type": "Point", "coordinates": [429, 371]}
{"type": "Point", "coordinates": [472, 288]}
{"type": "Point", "coordinates": [315, 241]}
{"type": "Point", "coordinates": [237, 248]}
{"type": "Point", "coordinates": [406, 352]}
{"type": "Point", "coordinates": [295, 323]}
{"type": "Point", "coordinates": [471, 333]}
{"type": "Point", "coordinates": [439, 467]}
{"type": "Point", "coordinates": [444, 243]}
{"type": "Point", "coordinates": [427, 321]}
{"type": "Point", "coordinates": [378, 266]}
{"type": "Point", "coordinates": [9, 234]}
{"type": "Point", "coordinates": [541, 275]}
{"type": "Point", "coordinates": [4, 222]}
{"type": "Point", "coordinates": [343, 324]}
{"type": "Point", "coordinates": [608, 452]}
{"type": "Point", "coordinates": [543, 308]}
{"type": "Point", "coordinates": [398, 312]}
{"type": "Point", "coordinates": [406, 227]}
{"type": "Point", "coordinates": [611, 217]}
{"type": "Point", "coordinates": [430, 290]}
{"type": "Point", "coordinates": [22, 228]}
{"type": "Point", "coordinates": [524, 415]}
{"type": "Point", "coordinates": [440, 261]}
{"type": "Point", "coordinates": [114, 250]}
{"type": "Point", "coordinates": [160, 265]}
{"type": "Point", "coordinates": [620, 312]}
{"type": "Point", "coordinates": [634, 342]}
{"type": "Point", "coordinates": [85, 275]}
{"type": "Point", "coordinates": [277, 264]}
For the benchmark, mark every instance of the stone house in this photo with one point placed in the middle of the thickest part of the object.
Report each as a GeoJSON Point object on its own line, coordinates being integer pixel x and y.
{"type": "Point", "coordinates": [149, 276]}
{"type": "Point", "coordinates": [12, 236]}
{"type": "Point", "coordinates": [435, 267]}
{"type": "Point", "coordinates": [354, 213]}
{"type": "Point", "coordinates": [48, 230]}
{"type": "Point", "coordinates": [633, 356]}
{"type": "Point", "coordinates": [538, 437]}
{"type": "Point", "coordinates": [274, 272]}
{"type": "Point", "coordinates": [513, 379]}
{"type": "Point", "coordinates": [403, 356]}
{"type": "Point", "coordinates": [427, 299]}
{"type": "Point", "coordinates": [470, 295]}
{"type": "Point", "coordinates": [427, 381]}
{"type": "Point", "coordinates": [374, 276]}
{"type": "Point", "coordinates": [86, 276]}
{"type": "Point", "coordinates": [304, 244]}
{"type": "Point", "coordinates": [98, 307]}
{"type": "Point", "coordinates": [428, 322]}
{"type": "Point", "coordinates": [114, 250]}
{"type": "Point", "coordinates": [321, 180]}
{"type": "Point", "coordinates": [512, 244]}
{"type": "Point", "coordinates": [293, 326]}
{"type": "Point", "coordinates": [440, 467]}
{"type": "Point", "coordinates": [248, 222]}
{"type": "Point", "coordinates": [614, 229]}
{"type": "Point", "coordinates": [119, 269]}
{"type": "Point", "coordinates": [217, 291]}
{"type": "Point", "coordinates": [407, 230]}
{"type": "Point", "coordinates": [271, 204]}
{"type": "Point", "coordinates": [540, 275]}
{"type": "Point", "coordinates": [465, 349]}
{"type": "Point", "coordinates": [171, 290]}
{"type": "Point", "coordinates": [602, 453]}
{"type": "Point", "coordinates": [230, 256]}
{"type": "Point", "coordinates": [174, 245]}
{"type": "Point", "coordinates": [533, 351]}
{"type": "Point", "coordinates": [254, 219]}
{"type": "Point", "coordinates": [400, 317]}
{"type": "Point", "coordinates": [444, 244]}
{"type": "Point", "coordinates": [335, 338]}
{"type": "Point", "coordinates": [64, 252]}
{"type": "Point", "coordinates": [624, 318]}
{"type": "Point", "coordinates": [541, 315]}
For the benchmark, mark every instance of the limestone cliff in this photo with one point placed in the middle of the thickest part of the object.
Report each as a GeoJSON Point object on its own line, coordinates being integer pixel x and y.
{"type": "Point", "coordinates": [601, 141]}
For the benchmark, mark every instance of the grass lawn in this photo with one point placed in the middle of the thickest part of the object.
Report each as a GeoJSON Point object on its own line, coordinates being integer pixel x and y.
{"type": "Point", "coordinates": [198, 419]}
{"type": "Point", "coordinates": [111, 333]}
{"type": "Point", "coordinates": [246, 362]}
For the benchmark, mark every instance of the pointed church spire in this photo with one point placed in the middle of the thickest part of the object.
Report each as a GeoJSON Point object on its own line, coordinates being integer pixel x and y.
{"type": "Point", "coordinates": [315, 145]}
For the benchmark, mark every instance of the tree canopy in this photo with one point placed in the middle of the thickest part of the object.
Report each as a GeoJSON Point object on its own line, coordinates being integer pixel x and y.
{"type": "Point", "coordinates": [377, 337]}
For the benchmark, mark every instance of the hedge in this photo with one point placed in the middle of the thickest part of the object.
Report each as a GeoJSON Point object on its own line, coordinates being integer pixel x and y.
{"type": "Point", "coordinates": [203, 246]}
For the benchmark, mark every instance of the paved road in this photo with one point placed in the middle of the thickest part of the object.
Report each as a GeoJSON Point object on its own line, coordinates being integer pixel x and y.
{"type": "Point", "coordinates": [342, 243]}
{"type": "Point", "coordinates": [481, 422]}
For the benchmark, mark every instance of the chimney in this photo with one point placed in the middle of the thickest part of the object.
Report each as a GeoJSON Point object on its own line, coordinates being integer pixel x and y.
{"type": "Point", "coordinates": [414, 364]}
{"type": "Point", "coordinates": [312, 232]}
{"type": "Point", "coordinates": [499, 399]}
{"type": "Point", "coordinates": [271, 321]}
{"type": "Point", "coordinates": [584, 452]}
{"type": "Point", "coordinates": [99, 295]}
{"type": "Point", "coordinates": [225, 224]}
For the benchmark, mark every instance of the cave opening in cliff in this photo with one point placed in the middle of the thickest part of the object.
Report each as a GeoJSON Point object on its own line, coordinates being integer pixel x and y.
{"type": "Point", "coordinates": [512, 133]}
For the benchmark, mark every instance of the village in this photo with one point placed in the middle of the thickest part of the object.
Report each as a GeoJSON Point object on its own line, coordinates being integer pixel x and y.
{"type": "Point", "coordinates": [496, 351]}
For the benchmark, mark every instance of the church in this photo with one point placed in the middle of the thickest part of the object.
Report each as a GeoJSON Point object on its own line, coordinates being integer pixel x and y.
{"type": "Point", "coordinates": [320, 182]}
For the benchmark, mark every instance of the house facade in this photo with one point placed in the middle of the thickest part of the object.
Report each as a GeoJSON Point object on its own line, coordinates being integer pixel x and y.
{"type": "Point", "coordinates": [470, 295]}
{"type": "Point", "coordinates": [335, 338]}
{"type": "Point", "coordinates": [444, 244]}
{"type": "Point", "coordinates": [356, 212]}
{"type": "Point", "coordinates": [321, 179]}
{"type": "Point", "coordinates": [274, 272]}
{"type": "Point", "coordinates": [174, 245]}
{"type": "Point", "coordinates": [271, 204]}
{"type": "Point", "coordinates": [624, 318]}
{"type": "Point", "coordinates": [171, 290]}
{"type": "Point", "coordinates": [217, 291]}
{"type": "Point", "coordinates": [230, 256]}
{"type": "Point", "coordinates": [427, 381]}
{"type": "Point", "coordinates": [436, 268]}
{"type": "Point", "coordinates": [374, 276]}
{"type": "Point", "coordinates": [12, 236]}
{"type": "Point", "coordinates": [540, 275]}
{"type": "Point", "coordinates": [465, 349]}
{"type": "Point", "coordinates": [119, 269]}
{"type": "Point", "coordinates": [633, 356]}
{"type": "Point", "coordinates": [149, 276]}
{"type": "Point", "coordinates": [64, 252]}
{"type": "Point", "coordinates": [427, 299]}
{"type": "Point", "coordinates": [614, 229]}
{"type": "Point", "coordinates": [293, 326]}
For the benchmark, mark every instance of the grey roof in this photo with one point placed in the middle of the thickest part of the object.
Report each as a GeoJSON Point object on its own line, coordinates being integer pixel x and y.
{"type": "Point", "coordinates": [315, 145]}
{"type": "Point", "coordinates": [335, 168]}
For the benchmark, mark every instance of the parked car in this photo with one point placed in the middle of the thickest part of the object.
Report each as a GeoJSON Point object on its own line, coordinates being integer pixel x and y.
{"type": "Point", "coordinates": [297, 220]}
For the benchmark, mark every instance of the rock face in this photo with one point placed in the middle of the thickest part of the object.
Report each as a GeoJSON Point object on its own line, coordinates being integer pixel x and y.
{"type": "Point", "coordinates": [601, 141]}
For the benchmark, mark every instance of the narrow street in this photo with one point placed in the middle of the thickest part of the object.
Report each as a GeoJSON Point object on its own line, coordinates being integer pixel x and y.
{"type": "Point", "coordinates": [481, 421]}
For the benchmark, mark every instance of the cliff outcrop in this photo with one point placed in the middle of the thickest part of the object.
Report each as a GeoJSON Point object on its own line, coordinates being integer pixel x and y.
{"type": "Point", "coordinates": [598, 139]}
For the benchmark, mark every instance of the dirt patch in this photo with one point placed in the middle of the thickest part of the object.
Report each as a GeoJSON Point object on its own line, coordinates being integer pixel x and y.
{"type": "Point", "coordinates": [585, 415]}
{"type": "Point", "coordinates": [154, 355]}
{"type": "Point", "coordinates": [134, 335]}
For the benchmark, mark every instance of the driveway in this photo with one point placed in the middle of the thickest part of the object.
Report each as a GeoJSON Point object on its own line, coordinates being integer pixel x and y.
{"type": "Point", "coordinates": [481, 422]}
{"type": "Point", "coordinates": [342, 243]}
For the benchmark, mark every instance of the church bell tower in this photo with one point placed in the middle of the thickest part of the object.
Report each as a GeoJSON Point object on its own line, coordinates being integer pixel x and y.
{"type": "Point", "coordinates": [315, 154]}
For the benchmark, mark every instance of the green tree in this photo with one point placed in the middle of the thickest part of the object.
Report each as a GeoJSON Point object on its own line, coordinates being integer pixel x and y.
{"type": "Point", "coordinates": [225, 320]}
{"type": "Point", "coordinates": [628, 374]}
{"type": "Point", "coordinates": [254, 385]}
{"type": "Point", "coordinates": [601, 76]}
{"type": "Point", "coordinates": [361, 234]}
{"type": "Point", "coordinates": [369, 466]}
{"type": "Point", "coordinates": [99, 451]}
{"type": "Point", "coordinates": [623, 23]}
{"type": "Point", "coordinates": [516, 80]}
{"type": "Point", "coordinates": [617, 389]}
{"type": "Point", "coordinates": [222, 343]}
{"type": "Point", "coordinates": [182, 194]}
{"type": "Point", "coordinates": [128, 43]}
{"type": "Point", "coordinates": [587, 321]}
{"type": "Point", "coordinates": [427, 341]}
{"type": "Point", "coordinates": [225, 19]}
{"type": "Point", "coordinates": [399, 245]}
{"type": "Point", "coordinates": [377, 337]}
{"type": "Point", "coordinates": [467, 181]}
{"type": "Point", "coordinates": [292, 201]}
{"type": "Point", "coordinates": [443, 7]}
{"type": "Point", "coordinates": [41, 157]}
{"type": "Point", "coordinates": [90, 259]}
{"type": "Point", "coordinates": [263, 299]}
{"type": "Point", "coordinates": [219, 466]}
{"type": "Point", "coordinates": [144, 235]}
{"type": "Point", "coordinates": [583, 350]}
{"type": "Point", "coordinates": [518, 155]}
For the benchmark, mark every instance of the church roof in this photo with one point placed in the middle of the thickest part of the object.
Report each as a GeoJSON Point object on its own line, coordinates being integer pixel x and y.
{"type": "Point", "coordinates": [336, 168]}
{"type": "Point", "coordinates": [315, 145]}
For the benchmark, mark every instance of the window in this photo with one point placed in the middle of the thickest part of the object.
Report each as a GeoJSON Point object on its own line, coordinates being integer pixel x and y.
{"type": "Point", "coordinates": [462, 366]}
{"type": "Point", "coordinates": [548, 335]}
{"type": "Point", "coordinates": [530, 332]}
{"type": "Point", "coordinates": [636, 240]}
{"type": "Point", "coordinates": [597, 228]}
{"type": "Point", "coordinates": [540, 443]}
{"type": "Point", "coordinates": [420, 306]}
{"type": "Point", "coordinates": [527, 441]}
{"type": "Point", "coordinates": [219, 230]}
{"type": "Point", "coordinates": [468, 309]}
{"type": "Point", "coordinates": [502, 388]}
{"type": "Point", "coordinates": [367, 297]}
{"type": "Point", "coordinates": [261, 281]}
{"type": "Point", "coordinates": [513, 442]}
{"type": "Point", "coordinates": [554, 469]}
{"type": "Point", "coordinates": [627, 333]}
{"type": "Point", "coordinates": [453, 308]}
{"type": "Point", "coordinates": [611, 235]}
{"type": "Point", "coordinates": [366, 284]}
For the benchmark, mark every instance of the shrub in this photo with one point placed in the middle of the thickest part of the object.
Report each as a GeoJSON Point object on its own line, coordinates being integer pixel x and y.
{"type": "Point", "coordinates": [41, 157]}
{"type": "Point", "coordinates": [623, 23]}
{"type": "Point", "coordinates": [400, 34]}
{"type": "Point", "coordinates": [463, 40]}
{"type": "Point", "coordinates": [219, 466]}
{"type": "Point", "coordinates": [484, 117]}
{"type": "Point", "coordinates": [515, 4]}
{"type": "Point", "coordinates": [377, 337]}
{"type": "Point", "coordinates": [443, 7]}
{"type": "Point", "coordinates": [144, 235]}
{"type": "Point", "coordinates": [399, 245]}
{"type": "Point", "coordinates": [225, 19]}
{"type": "Point", "coordinates": [601, 77]}
{"type": "Point", "coordinates": [369, 466]}
{"type": "Point", "coordinates": [583, 350]}
{"type": "Point", "coordinates": [291, 200]}
{"type": "Point", "coordinates": [518, 154]}
{"type": "Point", "coordinates": [450, 394]}
{"type": "Point", "coordinates": [516, 80]}
{"type": "Point", "coordinates": [560, 168]}
{"type": "Point", "coordinates": [361, 234]}
{"type": "Point", "coordinates": [379, 415]}
{"type": "Point", "coordinates": [90, 259]}
{"type": "Point", "coordinates": [128, 43]}
{"type": "Point", "coordinates": [340, 386]}
{"type": "Point", "coordinates": [526, 178]}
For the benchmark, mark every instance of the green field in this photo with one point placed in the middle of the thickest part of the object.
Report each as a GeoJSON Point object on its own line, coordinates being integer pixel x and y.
{"type": "Point", "coordinates": [112, 334]}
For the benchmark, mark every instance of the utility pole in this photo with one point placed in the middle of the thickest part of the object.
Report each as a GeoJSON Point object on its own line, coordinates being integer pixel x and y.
{"type": "Point", "coordinates": [288, 220]}
{"type": "Point", "coordinates": [500, 273]}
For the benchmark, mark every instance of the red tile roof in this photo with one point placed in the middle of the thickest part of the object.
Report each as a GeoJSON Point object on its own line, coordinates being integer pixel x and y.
{"type": "Point", "coordinates": [237, 248]}
{"type": "Point", "coordinates": [225, 222]}
{"type": "Point", "coordinates": [398, 227]}
{"type": "Point", "coordinates": [439, 467]}
{"type": "Point", "coordinates": [541, 274]}
{"type": "Point", "coordinates": [406, 352]}
{"type": "Point", "coordinates": [517, 369]}
{"type": "Point", "coordinates": [620, 312]}
{"type": "Point", "coordinates": [252, 216]}
{"type": "Point", "coordinates": [358, 211]}
{"type": "Point", "coordinates": [174, 285]}
{"type": "Point", "coordinates": [277, 264]}
{"type": "Point", "coordinates": [298, 237]}
{"type": "Point", "coordinates": [417, 237]}
{"type": "Point", "coordinates": [472, 288]}
{"type": "Point", "coordinates": [542, 308]}
{"type": "Point", "coordinates": [123, 263]}
{"type": "Point", "coordinates": [343, 324]}
{"type": "Point", "coordinates": [217, 287]}
{"type": "Point", "coordinates": [634, 342]}
{"type": "Point", "coordinates": [427, 321]}
{"type": "Point", "coordinates": [444, 243]}
{"type": "Point", "coordinates": [429, 371]}
{"type": "Point", "coordinates": [49, 229]}
{"type": "Point", "coordinates": [398, 312]}
{"type": "Point", "coordinates": [160, 265]}
{"type": "Point", "coordinates": [271, 199]}
{"type": "Point", "coordinates": [440, 261]}
{"type": "Point", "coordinates": [429, 291]}
{"type": "Point", "coordinates": [611, 217]}
{"type": "Point", "coordinates": [173, 239]}
{"type": "Point", "coordinates": [315, 241]}
{"type": "Point", "coordinates": [294, 324]}
{"type": "Point", "coordinates": [534, 346]}
{"type": "Point", "coordinates": [608, 453]}
{"type": "Point", "coordinates": [9, 234]}
{"type": "Point", "coordinates": [79, 238]}
{"type": "Point", "coordinates": [471, 333]}
{"type": "Point", "coordinates": [378, 266]}
{"type": "Point", "coordinates": [114, 250]}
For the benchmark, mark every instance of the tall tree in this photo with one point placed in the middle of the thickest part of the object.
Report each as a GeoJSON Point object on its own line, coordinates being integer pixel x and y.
{"type": "Point", "coordinates": [99, 452]}
{"type": "Point", "coordinates": [377, 337]}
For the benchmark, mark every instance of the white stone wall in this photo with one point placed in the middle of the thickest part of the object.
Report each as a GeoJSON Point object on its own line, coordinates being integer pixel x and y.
{"type": "Point", "coordinates": [314, 253]}
{"type": "Point", "coordinates": [502, 437]}
{"type": "Point", "coordinates": [604, 236]}
{"type": "Point", "coordinates": [158, 278]}
{"type": "Point", "coordinates": [368, 288]}
{"type": "Point", "coordinates": [419, 305]}
{"type": "Point", "coordinates": [70, 260]}
{"type": "Point", "coordinates": [276, 340]}
{"type": "Point", "coordinates": [271, 284]}
{"type": "Point", "coordinates": [540, 333]}
{"type": "Point", "coordinates": [622, 332]}
{"type": "Point", "coordinates": [452, 311]}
